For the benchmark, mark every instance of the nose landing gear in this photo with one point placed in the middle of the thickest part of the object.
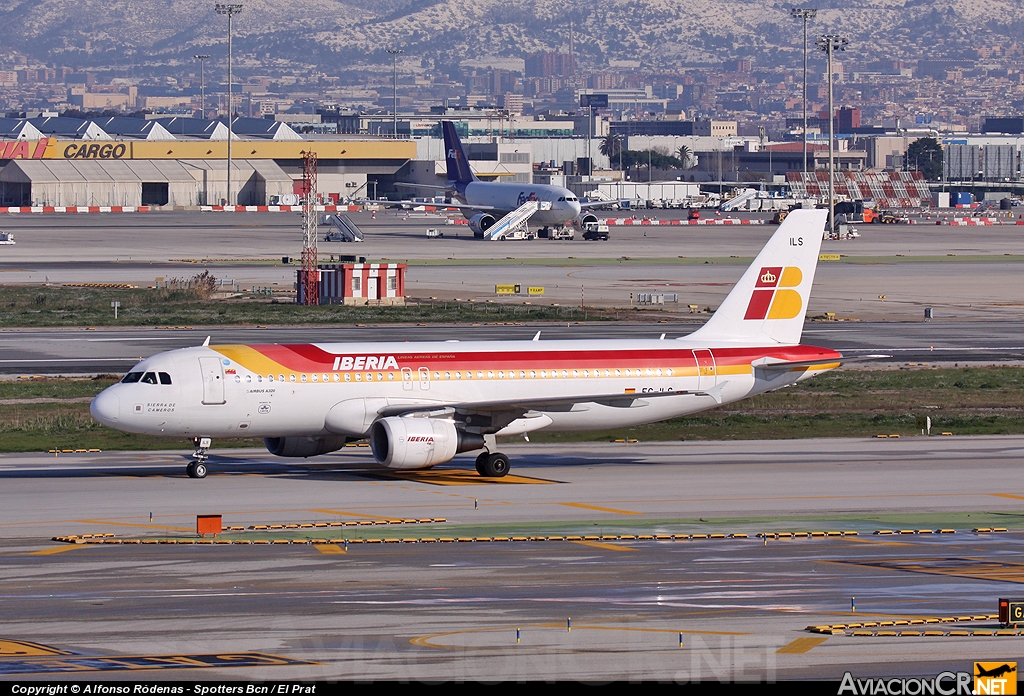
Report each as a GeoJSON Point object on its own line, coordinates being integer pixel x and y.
{"type": "Point", "coordinates": [197, 467]}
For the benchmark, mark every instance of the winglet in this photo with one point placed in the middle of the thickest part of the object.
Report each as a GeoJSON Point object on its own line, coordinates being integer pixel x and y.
{"type": "Point", "coordinates": [206, 342]}
{"type": "Point", "coordinates": [537, 336]}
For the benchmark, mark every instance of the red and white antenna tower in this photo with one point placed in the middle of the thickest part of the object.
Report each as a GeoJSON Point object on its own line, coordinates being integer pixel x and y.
{"type": "Point", "coordinates": [310, 274]}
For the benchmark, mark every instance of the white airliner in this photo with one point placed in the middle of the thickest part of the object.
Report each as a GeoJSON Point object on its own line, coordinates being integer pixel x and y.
{"type": "Point", "coordinates": [420, 404]}
{"type": "Point", "coordinates": [485, 202]}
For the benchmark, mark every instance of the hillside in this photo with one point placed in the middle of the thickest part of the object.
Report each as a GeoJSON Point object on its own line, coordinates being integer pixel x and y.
{"type": "Point", "coordinates": [340, 34]}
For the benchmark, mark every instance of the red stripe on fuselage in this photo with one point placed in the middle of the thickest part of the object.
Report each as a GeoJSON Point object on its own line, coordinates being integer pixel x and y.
{"type": "Point", "coordinates": [311, 358]}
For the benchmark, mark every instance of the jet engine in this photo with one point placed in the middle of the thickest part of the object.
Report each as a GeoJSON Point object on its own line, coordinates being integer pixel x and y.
{"type": "Point", "coordinates": [479, 223]}
{"type": "Point", "coordinates": [418, 443]}
{"type": "Point", "coordinates": [304, 446]}
{"type": "Point", "coordinates": [584, 219]}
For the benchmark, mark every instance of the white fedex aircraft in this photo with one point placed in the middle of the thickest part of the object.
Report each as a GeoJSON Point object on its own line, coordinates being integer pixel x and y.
{"type": "Point", "coordinates": [485, 202]}
{"type": "Point", "coordinates": [420, 404]}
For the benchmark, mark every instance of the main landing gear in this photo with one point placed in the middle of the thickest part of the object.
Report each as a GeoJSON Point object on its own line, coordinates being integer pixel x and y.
{"type": "Point", "coordinates": [197, 467]}
{"type": "Point", "coordinates": [490, 463]}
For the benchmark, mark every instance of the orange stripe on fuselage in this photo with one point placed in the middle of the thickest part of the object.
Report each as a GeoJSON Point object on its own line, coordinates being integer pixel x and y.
{"type": "Point", "coordinates": [272, 359]}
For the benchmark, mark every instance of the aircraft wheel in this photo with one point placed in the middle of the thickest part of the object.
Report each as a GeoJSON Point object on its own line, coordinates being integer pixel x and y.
{"type": "Point", "coordinates": [196, 470]}
{"type": "Point", "coordinates": [481, 462]}
{"type": "Point", "coordinates": [496, 465]}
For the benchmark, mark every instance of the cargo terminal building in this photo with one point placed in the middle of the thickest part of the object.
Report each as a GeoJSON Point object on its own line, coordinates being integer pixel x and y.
{"type": "Point", "coordinates": [178, 162]}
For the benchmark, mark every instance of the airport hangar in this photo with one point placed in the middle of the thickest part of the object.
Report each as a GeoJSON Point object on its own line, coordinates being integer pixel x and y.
{"type": "Point", "coordinates": [68, 162]}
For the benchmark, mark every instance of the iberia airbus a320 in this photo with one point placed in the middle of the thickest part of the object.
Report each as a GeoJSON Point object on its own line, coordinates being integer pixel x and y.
{"type": "Point", "coordinates": [421, 404]}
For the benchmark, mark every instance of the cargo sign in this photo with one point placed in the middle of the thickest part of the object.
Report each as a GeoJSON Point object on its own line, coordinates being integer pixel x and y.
{"type": "Point", "coordinates": [95, 151]}
{"type": "Point", "coordinates": [535, 290]}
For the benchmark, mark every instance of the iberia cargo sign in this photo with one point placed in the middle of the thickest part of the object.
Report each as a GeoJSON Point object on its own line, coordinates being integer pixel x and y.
{"type": "Point", "coordinates": [49, 148]}
{"type": "Point", "coordinates": [22, 149]}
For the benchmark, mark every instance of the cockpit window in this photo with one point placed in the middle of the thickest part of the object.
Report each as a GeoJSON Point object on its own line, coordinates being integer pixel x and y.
{"type": "Point", "coordinates": [131, 378]}
{"type": "Point", "coordinates": [165, 378]}
{"type": "Point", "coordinates": [561, 199]}
{"type": "Point", "coordinates": [149, 378]}
{"type": "Point", "coordinates": [571, 198]}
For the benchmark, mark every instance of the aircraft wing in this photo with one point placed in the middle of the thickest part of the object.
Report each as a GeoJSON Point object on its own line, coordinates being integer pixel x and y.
{"type": "Point", "coordinates": [624, 399]}
{"type": "Point", "coordinates": [600, 204]}
{"type": "Point", "coordinates": [425, 186]}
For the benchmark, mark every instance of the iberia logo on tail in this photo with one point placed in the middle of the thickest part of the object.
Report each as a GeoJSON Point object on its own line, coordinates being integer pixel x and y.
{"type": "Point", "coordinates": [773, 296]}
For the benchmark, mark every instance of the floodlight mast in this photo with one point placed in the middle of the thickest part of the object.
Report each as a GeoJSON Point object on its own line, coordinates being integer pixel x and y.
{"type": "Point", "coordinates": [230, 9]}
{"type": "Point", "coordinates": [805, 14]}
{"type": "Point", "coordinates": [395, 52]}
{"type": "Point", "coordinates": [829, 44]}
{"type": "Point", "coordinates": [201, 57]}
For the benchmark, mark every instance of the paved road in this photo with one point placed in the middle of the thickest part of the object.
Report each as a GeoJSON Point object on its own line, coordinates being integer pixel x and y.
{"type": "Point", "coordinates": [958, 271]}
{"type": "Point", "coordinates": [73, 351]}
{"type": "Point", "coordinates": [450, 611]}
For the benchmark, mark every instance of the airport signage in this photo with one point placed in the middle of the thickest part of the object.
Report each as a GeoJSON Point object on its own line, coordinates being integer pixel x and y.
{"type": "Point", "coordinates": [506, 289]}
{"type": "Point", "coordinates": [23, 149]}
{"type": "Point", "coordinates": [535, 290]}
{"type": "Point", "coordinates": [596, 101]}
{"type": "Point", "coordinates": [828, 257]}
{"type": "Point", "coordinates": [95, 151]}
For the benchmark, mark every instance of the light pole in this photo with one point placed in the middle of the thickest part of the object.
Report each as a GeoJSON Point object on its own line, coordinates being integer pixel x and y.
{"type": "Point", "coordinates": [201, 57]}
{"type": "Point", "coordinates": [829, 44]}
{"type": "Point", "coordinates": [806, 15]}
{"type": "Point", "coordinates": [230, 10]}
{"type": "Point", "coordinates": [395, 52]}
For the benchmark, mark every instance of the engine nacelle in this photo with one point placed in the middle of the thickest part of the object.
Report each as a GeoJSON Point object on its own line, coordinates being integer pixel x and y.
{"type": "Point", "coordinates": [418, 443]}
{"type": "Point", "coordinates": [583, 219]}
{"type": "Point", "coordinates": [480, 223]}
{"type": "Point", "coordinates": [304, 446]}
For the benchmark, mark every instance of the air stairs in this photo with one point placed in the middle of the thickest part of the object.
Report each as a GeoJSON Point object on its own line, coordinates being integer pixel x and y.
{"type": "Point", "coordinates": [342, 229]}
{"type": "Point", "coordinates": [734, 203]}
{"type": "Point", "coordinates": [513, 225]}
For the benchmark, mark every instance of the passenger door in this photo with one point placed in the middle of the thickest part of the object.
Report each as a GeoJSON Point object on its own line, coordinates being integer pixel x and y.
{"type": "Point", "coordinates": [213, 380]}
{"type": "Point", "coordinates": [707, 376]}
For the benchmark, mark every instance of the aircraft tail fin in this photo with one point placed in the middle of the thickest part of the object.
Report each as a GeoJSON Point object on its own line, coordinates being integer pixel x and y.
{"type": "Point", "coordinates": [768, 304]}
{"type": "Point", "coordinates": [459, 172]}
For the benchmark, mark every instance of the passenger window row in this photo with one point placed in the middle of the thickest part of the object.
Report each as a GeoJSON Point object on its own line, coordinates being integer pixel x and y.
{"type": "Point", "coordinates": [469, 374]}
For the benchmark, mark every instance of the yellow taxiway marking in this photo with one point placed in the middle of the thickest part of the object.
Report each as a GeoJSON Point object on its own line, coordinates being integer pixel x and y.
{"type": "Point", "coordinates": [601, 509]}
{"type": "Point", "coordinates": [425, 641]}
{"type": "Point", "coordinates": [459, 478]}
{"type": "Point", "coordinates": [800, 646]}
{"type": "Point", "coordinates": [329, 549]}
{"type": "Point", "coordinates": [138, 524]}
{"type": "Point", "coordinates": [1011, 496]}
{"type": "Point", "coordinates": [21, 648]}
{"type": "Point", "coordinates": [877, 542]}
{"type": "Point", "coordinates": [56, 549]}
{"type": "Point", "coordinates": [607, 547]}
{"type": "Point", "coordinates": [346, 513]}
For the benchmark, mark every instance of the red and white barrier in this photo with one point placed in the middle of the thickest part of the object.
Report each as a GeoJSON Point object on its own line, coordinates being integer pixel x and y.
{"type": "Point", "coordinates": [76, 209]}
{"type": "Point", "coordinates": [203, 208]}
{"type": "Point", "coordinates": [971, 222]}
{"type": "Point", "coordinates": [677, 223]}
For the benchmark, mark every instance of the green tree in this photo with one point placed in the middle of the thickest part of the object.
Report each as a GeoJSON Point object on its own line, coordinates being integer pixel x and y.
{"type": "Point", "coordinates": [685, 155]}
{"type": "Point", "coordinates": [611, 147]}
{"type": "Point", "coordinates": [925, 155]}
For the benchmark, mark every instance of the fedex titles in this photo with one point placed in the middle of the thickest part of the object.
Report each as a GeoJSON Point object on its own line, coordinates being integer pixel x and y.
{"type": "Point", "coordinates": [365, 362]}
{"type": "Point", "coordinates": [523, 198]}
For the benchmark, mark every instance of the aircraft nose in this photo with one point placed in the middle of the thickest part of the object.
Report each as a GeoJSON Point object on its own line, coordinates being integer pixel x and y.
{"type": "Point", "coordinates": [106, 407]}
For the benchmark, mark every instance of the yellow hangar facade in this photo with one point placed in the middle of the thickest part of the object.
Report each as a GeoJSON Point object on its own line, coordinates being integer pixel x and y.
{"type": "Point", "coordinates": [81, 163]}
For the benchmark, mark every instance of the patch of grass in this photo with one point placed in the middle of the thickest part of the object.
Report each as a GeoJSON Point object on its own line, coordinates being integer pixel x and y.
{"type": "Point", "coordinates": [64, 306]}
